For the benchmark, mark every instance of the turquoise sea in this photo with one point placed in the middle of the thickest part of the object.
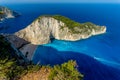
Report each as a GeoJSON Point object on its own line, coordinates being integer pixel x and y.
{"type": "Point", "coordinates": [98, 57]}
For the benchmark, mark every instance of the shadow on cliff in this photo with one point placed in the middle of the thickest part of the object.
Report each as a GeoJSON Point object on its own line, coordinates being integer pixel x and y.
{"type": "Point", "coordinates": [22, 45]}
{"type": "Point", "coordinates": [91, 68]}
{"type": "Point", "coordinates": [17, 41]}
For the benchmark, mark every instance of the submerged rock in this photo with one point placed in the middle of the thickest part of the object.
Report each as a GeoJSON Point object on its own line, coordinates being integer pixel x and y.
{"type": "Point", "coordinates": [46, 27]}
{"type": "Point", "coordinates": [7, 13]}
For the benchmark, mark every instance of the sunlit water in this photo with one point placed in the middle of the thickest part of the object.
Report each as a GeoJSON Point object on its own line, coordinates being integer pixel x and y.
{"type": "Point", "coordinates": [98, 57]}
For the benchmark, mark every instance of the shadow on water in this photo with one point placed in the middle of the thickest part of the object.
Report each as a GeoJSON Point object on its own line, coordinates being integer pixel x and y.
{"type": "Point", "coordinates": [91, 68]}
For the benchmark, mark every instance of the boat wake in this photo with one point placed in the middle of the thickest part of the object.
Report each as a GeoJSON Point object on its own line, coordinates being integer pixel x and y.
{"type": "Point", "coordinates": [107, 62]}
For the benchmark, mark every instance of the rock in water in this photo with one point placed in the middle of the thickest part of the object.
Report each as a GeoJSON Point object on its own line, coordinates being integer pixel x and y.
{"type": "Point", "coordinates": [59, 27]}
{"type": "Point", "coordinates": [7, 13]}
{"type": "Point", "coordinates": [46, 27]}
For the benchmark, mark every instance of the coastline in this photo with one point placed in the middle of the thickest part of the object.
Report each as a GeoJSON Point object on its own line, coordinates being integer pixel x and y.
{"type": "Point", "coordinates": [30, 50]}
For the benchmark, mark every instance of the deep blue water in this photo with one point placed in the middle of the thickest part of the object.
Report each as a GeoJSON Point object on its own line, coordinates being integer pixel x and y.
{"type": "Point", "coordinates": [98, 57]}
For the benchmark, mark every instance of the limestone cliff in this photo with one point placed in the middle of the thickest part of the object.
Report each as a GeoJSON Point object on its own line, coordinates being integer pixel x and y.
{"type": "Point", "coordinates": [46, 27]}
{"type": "Point", "coordinates": [22, 45]}
{"type": "Point", "coordinates": [14, 66]}
{"type": "Point", "coordinates": [7, 13]}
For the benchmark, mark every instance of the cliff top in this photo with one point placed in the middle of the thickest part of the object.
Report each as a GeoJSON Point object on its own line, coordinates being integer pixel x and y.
{"type": "Point", "coordinates": [10, 69]}
{"type": "Point", "coordinates": [58, 27]}
{"type": "Point", "coordinates": [71, 24]}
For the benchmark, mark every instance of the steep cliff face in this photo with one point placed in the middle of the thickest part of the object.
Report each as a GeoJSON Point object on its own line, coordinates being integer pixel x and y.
{"type": "Point", "coordinates": [41, 30]}
{"type": "Point", "coordinates": [7, 13]}
{"type": "Point", "coordinates": [10, 56]}
{"type": "Point", "coordinates": [26, 48]}
{"type": "Point", "coordinates": [46, 27]}
{"type": "Point", "coordinates": [15, 66]}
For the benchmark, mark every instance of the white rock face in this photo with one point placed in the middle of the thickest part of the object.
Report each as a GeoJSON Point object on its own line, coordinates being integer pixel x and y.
{"type": "Point", "coordinates": [7, 13]}
{"type": "Point", "coordinates": [44, 28]}
{"type": "Point", "coordinates": [40, 31]}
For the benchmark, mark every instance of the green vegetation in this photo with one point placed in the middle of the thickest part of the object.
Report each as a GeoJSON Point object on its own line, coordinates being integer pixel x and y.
{"type": "Point", "coordinates": [11, 67]}
{"type": "Point", "coordinates": [65, 71]}
{"type": "Point", "coordinates": [1, 12]}
{"type": "Point", "coordinates": [8, 60]}
{"type": "Point", "coordinates": [10, 63]}
{"type": "Point", "coordinates": [68, 22]}
{"type": "Point", "coordinates": [72, 24]}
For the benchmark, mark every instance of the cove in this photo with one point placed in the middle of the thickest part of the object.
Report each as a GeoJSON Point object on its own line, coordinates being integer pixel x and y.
{"type": "Point", "coordinates": [90, 67]}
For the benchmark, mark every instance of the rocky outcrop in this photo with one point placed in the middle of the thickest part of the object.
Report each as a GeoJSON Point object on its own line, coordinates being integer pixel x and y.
{"type": "Point", "coordinates": [42, 74]}
{"type": "Point", "coordinates": [7, 13]}
{"type": "Point", "coordinates": [46, 27]}
{"type": "Point", "coordinates": [11, 50]}
{"type": "Point", "coordinates": [26, 48]}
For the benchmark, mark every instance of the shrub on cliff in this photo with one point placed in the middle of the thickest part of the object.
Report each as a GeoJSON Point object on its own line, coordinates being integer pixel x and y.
{"type": "Point", "coordinates": [65, 71]}
{"type": "Point", "coordinates": [11, 69]}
